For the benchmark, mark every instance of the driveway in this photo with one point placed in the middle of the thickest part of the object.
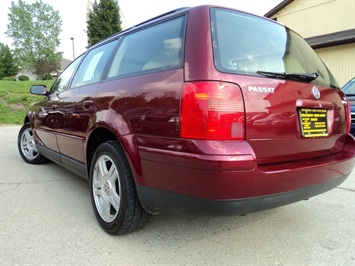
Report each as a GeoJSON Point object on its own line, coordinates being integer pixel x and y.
{"type": "Point", "coordinates": [46, 218]}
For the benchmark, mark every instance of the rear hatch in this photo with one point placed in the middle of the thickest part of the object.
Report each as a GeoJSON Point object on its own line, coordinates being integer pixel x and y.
{"type": "Point", "coordinates": [293, 107]}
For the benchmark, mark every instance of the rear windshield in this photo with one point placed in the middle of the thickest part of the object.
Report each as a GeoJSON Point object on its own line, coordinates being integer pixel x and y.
{"type": "Point", "coordinates": [249, 45]}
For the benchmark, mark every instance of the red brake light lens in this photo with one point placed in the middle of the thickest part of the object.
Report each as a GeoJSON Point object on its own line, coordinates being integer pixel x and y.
{"type": "Point", "coordinates": [213, 111]}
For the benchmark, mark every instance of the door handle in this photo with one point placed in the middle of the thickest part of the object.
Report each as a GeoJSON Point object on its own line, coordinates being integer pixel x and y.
{"type": "Point", "coordinates": [88, 103]}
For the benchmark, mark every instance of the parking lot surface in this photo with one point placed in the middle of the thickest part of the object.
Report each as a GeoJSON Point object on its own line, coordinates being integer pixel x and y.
{"type": "Point", "coordinates": [46, 218]}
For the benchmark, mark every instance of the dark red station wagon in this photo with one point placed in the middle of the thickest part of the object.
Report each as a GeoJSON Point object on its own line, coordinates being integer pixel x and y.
{"type": "Point", "coordinates": [205, 110]}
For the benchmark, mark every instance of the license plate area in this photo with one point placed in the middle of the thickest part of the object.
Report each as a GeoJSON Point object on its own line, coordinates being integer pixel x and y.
{"type": "Point", "coordinates": [314, 122]}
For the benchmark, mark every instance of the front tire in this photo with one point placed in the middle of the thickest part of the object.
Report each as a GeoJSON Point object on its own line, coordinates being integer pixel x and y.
{"type": "Point", "coordinates": [27, 146]}
{"type": "Point", "coordinates": [113, 193]}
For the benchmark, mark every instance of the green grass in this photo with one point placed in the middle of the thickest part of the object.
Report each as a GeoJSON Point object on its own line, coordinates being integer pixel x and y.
{"type": "Point", "coordinates": [15, 99]}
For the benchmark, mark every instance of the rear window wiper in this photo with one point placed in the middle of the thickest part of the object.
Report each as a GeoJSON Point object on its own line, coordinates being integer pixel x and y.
{"type": "Point", "coordinates": [291, 76]}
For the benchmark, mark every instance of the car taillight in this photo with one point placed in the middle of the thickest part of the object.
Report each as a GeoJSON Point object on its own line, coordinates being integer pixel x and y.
{"type": "Point", "coordinates": [212, 111]}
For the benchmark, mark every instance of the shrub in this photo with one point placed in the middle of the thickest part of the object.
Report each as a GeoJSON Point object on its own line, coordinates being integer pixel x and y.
{"type": "Point", "coordinates": [9, 79]}
{"type": "Point", "coordinates": [47, 76]}
{"type": "Point", "coordinates": [23, 78]}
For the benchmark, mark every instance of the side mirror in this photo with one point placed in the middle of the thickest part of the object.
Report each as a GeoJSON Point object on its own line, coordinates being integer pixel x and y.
{"type": "Point", "coordinates": [38, 89]}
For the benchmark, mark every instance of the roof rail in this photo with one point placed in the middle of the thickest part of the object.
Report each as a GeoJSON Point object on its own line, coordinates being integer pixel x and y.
{"type": "Point", "coordinates": [160, 16]}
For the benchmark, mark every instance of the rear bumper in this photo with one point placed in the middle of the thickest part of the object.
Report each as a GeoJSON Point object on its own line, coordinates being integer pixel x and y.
{"type": "Point", "coordinates": [227, 185]}
{"type": "Point", "coordinates": [156, 201]}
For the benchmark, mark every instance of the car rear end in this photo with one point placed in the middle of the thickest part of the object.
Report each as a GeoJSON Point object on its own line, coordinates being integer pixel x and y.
{"type": "Point", "coordinates": [262, 121]}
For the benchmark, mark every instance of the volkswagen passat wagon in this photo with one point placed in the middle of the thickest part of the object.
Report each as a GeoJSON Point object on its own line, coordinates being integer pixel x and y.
{"type": "Point", "coordinates": [205, 110]}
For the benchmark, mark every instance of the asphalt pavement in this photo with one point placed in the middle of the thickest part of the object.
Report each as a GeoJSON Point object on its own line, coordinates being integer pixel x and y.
{"type": "Point", "coordinates": [46, 219]}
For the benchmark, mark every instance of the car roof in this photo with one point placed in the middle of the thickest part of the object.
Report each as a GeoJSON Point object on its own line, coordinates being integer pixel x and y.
{"type": "Point", "coordinates": [167, 15]}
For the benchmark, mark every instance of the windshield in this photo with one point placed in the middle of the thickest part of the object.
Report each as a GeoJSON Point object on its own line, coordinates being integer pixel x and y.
{"type": "Point", "coordinates": [250, 45]}
{"type": "Point", "coordinates": [349, 88]}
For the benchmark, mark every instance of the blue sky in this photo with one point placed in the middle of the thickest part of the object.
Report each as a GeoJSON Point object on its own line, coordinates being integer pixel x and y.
{"type": "Point", "coordinates": [73, 14]}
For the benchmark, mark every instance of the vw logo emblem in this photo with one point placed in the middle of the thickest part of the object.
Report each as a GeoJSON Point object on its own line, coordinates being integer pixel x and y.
{"type": "Point", "coordinates": [316, 92]}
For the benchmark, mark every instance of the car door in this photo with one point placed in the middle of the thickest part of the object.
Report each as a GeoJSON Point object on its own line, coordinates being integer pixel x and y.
{"type": "Point", "coordinates": [75, 106]}
{"type": "Point", "coordinates": [47, 118]}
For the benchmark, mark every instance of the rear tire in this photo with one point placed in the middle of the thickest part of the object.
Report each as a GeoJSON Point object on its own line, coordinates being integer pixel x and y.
{"type": "Point", "coordinates": [27, 146]}
{"type": "Point", "coordinates": [113, 192]}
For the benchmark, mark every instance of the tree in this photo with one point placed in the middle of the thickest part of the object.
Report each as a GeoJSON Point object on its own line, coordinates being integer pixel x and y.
{"type": "Point", "coordinates": [34, 29]}
{"type": "Point", "coordinates": [8, 67]}
{"type": "Point", "coordinates": [104, 20]}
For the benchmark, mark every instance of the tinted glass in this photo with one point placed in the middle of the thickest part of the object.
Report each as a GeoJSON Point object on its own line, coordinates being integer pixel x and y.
{"type": "Point", "coordinates": [245, 44]}
{"type": "Point", "coordinates": [62, 82]}
{"type": "Point", "coordinates": [156, 48]}
{"type": "Point", "coordinates": [349, 87]}
{"type": "Point", "coordinates": [93, 66]}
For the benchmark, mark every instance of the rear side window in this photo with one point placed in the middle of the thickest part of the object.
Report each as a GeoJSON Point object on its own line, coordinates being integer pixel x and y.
{"type": "Point", "coordinates": [156, 48]}
{"type": "Point", "coordinates": [246, 44]}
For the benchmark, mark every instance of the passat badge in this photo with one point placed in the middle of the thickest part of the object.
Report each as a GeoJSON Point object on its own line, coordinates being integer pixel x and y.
{"type": "Point", "coordinates": [316, 92]}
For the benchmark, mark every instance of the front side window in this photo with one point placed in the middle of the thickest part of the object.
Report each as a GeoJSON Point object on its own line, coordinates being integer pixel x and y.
{"type": "Point", "coordinates": [62, 82]}
{"type": "Point", "coordinates": [93, 66]}
{"type": "Point", "coordinates": [250, 45]}
{"type": "Point", "coordinates": [156, 48]}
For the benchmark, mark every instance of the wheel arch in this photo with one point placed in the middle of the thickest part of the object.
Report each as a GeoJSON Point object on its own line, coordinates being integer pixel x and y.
{"type": "Point", "coordinates": [26, 120]}
{"type": "Point", "coordinates": [98, 136]}
{"type": "Point", "coordinates": [103, 134]}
